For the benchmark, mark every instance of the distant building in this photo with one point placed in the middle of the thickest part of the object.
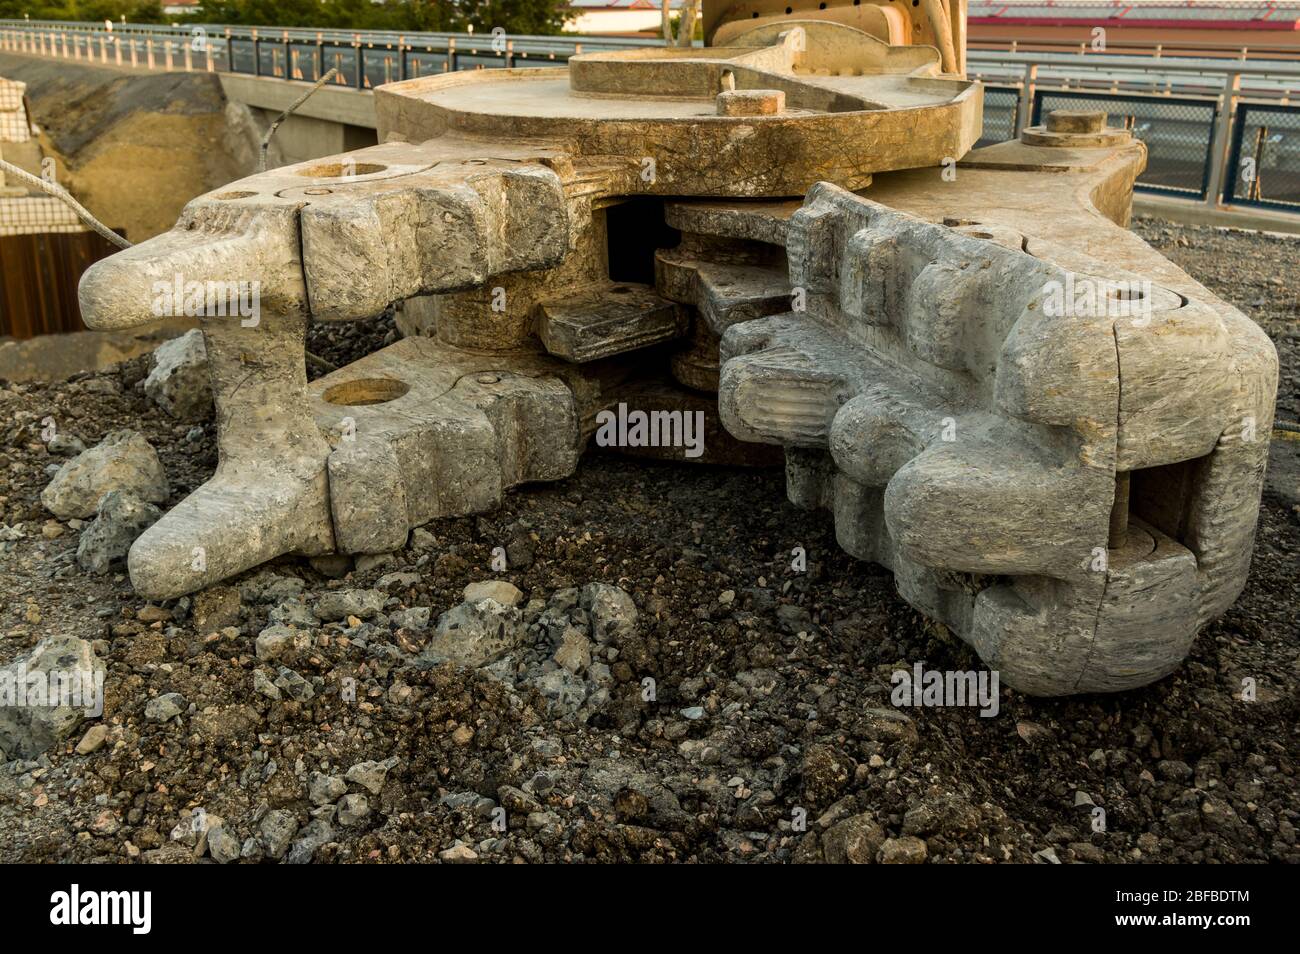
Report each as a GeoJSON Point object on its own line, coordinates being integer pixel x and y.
{"type": "Point", "coordinates": [173, 8]}
{"type": "Point", "coordinates": [617, 16]}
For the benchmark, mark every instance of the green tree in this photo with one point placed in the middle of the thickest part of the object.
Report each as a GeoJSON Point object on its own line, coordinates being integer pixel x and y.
{"type": "Point", "coordinates": [513, 16]}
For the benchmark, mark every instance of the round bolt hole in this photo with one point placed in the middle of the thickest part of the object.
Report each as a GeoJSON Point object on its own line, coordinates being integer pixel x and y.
{"type": "Point", "coordinates": [983, 235]}
{"type": "Point", "coordinates": [227, 196]}
{"type": "Point", "coordinates": [487, 379]}
{"type": "Point", "coordinates": [337, 170]}
{"type": "Point", "coordinates": [318, 191]}
{"type": "Point", "coordinates": [364, 391]}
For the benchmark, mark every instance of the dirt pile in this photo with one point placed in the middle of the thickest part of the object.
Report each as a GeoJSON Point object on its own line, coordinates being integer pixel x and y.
{"type": "Point", "coordinates": [133, 146]}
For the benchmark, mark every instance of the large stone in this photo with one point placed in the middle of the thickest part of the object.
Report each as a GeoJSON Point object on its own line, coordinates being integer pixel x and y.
{"type": "Point", "coordinates": [340, 604]}
{"type": "Point", "coordinates": [507, 594]}
{"type": "Point", "coordinates": [475, 634]}
{"type": "Point", "coordinates": [178, 381]}
{"type": "Point", "coordinates": [612, 610]}
{"type": "Point", "coordinates": [123, 460]}
{"type": "Point", "coordinates": [120, 519]}
{"type": "Point", "coordinates": [45, 695]}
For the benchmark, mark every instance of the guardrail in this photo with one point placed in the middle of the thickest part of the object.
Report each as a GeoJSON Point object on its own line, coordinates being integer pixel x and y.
{"type": "Point", "coordinates": [1218, 130]}
{"type": "Point", "coordinates": [1148, 48]}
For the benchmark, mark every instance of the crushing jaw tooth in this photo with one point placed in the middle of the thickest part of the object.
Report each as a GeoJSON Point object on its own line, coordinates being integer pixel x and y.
{"type": "Point", "coordinates": [977, 442]}
{"type": "Point", "coordinates": [444, 226]}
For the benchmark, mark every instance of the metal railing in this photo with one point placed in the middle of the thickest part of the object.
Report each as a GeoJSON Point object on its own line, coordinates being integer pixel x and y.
{"type": "Point", "coordinates": [1219, 130]}
{"type": "Point", "coordinates": [1155, 49]}
{"type": "Point", "coordinates": [364, 58]}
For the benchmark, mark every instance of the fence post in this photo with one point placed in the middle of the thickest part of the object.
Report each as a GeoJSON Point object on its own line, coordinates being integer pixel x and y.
{"type": "Point", "coordinates": [451, 54]}
{"type": "Point", "coordinates": [1221, 144]}
{"type": "Point", "coordinates": [1025, 107]}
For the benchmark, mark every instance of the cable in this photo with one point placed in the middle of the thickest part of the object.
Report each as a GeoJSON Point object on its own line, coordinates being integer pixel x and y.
{"type": "Point", "coordinates": [266, 140]}
{"type": "Point", "coordinates": [56, 190]}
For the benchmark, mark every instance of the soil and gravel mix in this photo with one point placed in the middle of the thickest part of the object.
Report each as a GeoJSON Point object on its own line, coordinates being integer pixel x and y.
{"type": "Point", "coordinates": [735, 709]}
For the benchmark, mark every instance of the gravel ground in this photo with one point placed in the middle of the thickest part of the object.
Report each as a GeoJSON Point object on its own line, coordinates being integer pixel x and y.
{"type": "Point", "coordinates": [769, 737]}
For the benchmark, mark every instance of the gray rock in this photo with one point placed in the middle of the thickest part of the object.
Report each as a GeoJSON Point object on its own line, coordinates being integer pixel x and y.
{"type": "Point", "coordinates": [794, 619]}
{"type": "Point", "coordinates": [855, 840]}
{"type": "Point", "coordinates": [474, 634]}
{"type": "Point", "coordinates": [415, 618]}
{"type": "Point", "coordinates": [611, 608]}
{"type": "Point", "coordinates": [123, 460]}
{"type": "Point", "coordinates": [505, 593]}
{"type": "Point", "coordinates": [353, 810]}
{"type": "Point", "coordinates": [574, 653]}
{"type": "Point", "coordinates": [458, 854]}
{"type": "Point", "coordinates": [294, 685]}
{"type": "Point", "coordinates": [223, 846]}
{"type": "Point", "coordinates": [65, 445]}
{"type": "Point", "coordinates": [908, 850]}
{"type": "Point", "coordinates": [365, 562]}
{"type": "Point", "coordinates": [178, 381]}
{"type": "Point", "coordinates": [371, 775]}
{"type": "Point", "coordinates": [56, 666]}
{"type": "Point", "coordinates": [325, 789]}
{"type": "Point", "coordinates": [277, 830]}
{"type": "Point", "coordinates": [397, 581]}
{"type": "Point", "coordinates": [292, 613]}
{"type": "Point", "coordinates": [340, 604]}
{"type": "Point", "coordinates": [264, 686]}
{"type": "Point", "coordinates": [276, 642]}
{"type": "Point", "coordinates": [268, 587]}
{"type": "Point", "coordinates": [315, 833]}
{"type": "Point", "coordinates": [165, 707]}
{"type": "Point", "coordinates": [93, 740]}
{"type": "Point", "coordinates": [565, 691]}
{"type": "Point", "coordinates": [121, 517]}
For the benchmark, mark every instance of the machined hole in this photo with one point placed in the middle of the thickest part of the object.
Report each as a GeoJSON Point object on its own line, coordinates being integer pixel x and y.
{"type": "Point", "coordinates": [337, 170]}
{"type": "Point", "coordinates": [364, 391]}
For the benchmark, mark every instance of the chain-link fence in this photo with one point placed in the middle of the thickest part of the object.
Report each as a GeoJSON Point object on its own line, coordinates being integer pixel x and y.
{"type": "Point", "coordinates": [1265, 160]}
{"type": "Point", "coordinates": [1177, 132]}
{"type": "Point", "coordinates": [1000, 104]}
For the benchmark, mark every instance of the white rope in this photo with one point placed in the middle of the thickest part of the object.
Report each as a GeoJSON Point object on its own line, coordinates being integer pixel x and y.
{"type": "Point", "coordinates": [56, 190]}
